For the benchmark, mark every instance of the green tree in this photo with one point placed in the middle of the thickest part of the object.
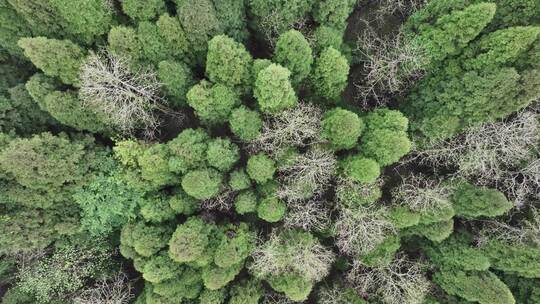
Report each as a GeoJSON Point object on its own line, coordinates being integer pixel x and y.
{"type": "Point", "coordinates": [246, 124]}
{"type": "Point", "coordinates": [153, 46]}
{"type": "Point", "coordinates": [245, 202]}
{"type": "Point", "coordinates": [468, 284]}
{"type": "Point", "coordinates": [293, 52]}
{"type": "Point", "coordinates": [174, 38]}
{"type": "Point", "coordinates": [273, 89]}
{"type": "Point", "coordinates": [246, 292]}
{"type": "Point", "coordinates": [271, 209]}
{"type": "Point", "coordinates": [188, 150]}
{"type": "Point", "coordinates": [385, 146]}
{"type": "Point", "coordinates": [57, 58]}
{"type": "Point", "coordinates": [361, 169]}
{"type": "Point", "coordinates": [261, 168]}
{"type": "Point", "coordinates": [212, 103]}
{"type": "Point", "coordinates": [176, 78]}
{"type": "Point", "coordinates": [333, 13]}
{"type": "Point", "coordinates": [341, 128]}
{"type": "Point", "coordinates": [471, 202]}
{"type": "Point", "coordinates": [14, 27]}
{"type": "Point", "coordinates": [189, 241]}
{"type": "Point", "coordinates": [155, 208]}
{"type": "Point", "coordinates": [143, 10]}
{"type": "Point", "coordinates": [232, 15]}
{"type": "Point", "coordinates": [160, 268]}
{"type": "Point", "coordinates": [330, 74]}
{"type": "Point", "coordinates": [202, 183]}
{"type": "Point", "coordinates": [222, 154]}
{"type": "Point", "coordinates": [141, 239]}
{"type": "Point", "coordinates": [229, 63]}
{"type": "Point", "coordinates": [239, 180]}
{"type": "Point", "coordinates": [123, 42]}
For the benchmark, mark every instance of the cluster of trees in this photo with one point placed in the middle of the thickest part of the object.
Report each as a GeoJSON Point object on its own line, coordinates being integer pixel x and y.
{"type": "Point", "coordinates": [215, 145]}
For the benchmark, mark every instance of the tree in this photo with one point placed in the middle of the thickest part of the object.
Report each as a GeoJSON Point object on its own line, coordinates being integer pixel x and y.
{"type": "Point", "coordinates": [245, 202]}
{"type": "Point", "coordinates": [128, 100]}
{"type": "Point", "coordinates": [466, 284]}
{"type": "Point", "coordinates": [174, 38]}
{"type": "Point", "coordinates": [239, 180]}
{"type": "Point", "coordinates": [14, 27]}
{"type": "Point", "coordinates": [330, 74]}
{"type": "Point", "coordinates": [292, 261]}
{"type": "Point", "coordinates": [273, 89]}
{"type": "Point", "coordinates": [140, 239]}
{"type": "Point", "coordinates": [233, 17]}
{"type": "Point", "coordinates": [202, 183]}
{"type": "Point", "coordinates": [246, 292]}
{"type": "Point", "coordinates": [333, 13]}
{"type": "Point", "coordinates": [293, 52]}
{"type": "Point", "coordinates": [261, 168]}
{"type": "Point", "coordinates": [471, 202]}
{"type": "Point", "coordinates": [123, 42]}
{"type": "Point", "coordinates": [200, 23]}
{"type": "Point", "coordinates": [189, 241]}
{"type": "Point", "coordinates": [222, 154]}
{"type": "Point", "coordinates": [176, 78]}
{"type": "Point", "coordinates": [385, 146]}
{"type": "Point", "coordinates": [154, 47]}
{"type": "Point", "coordinates": [341, 128]}
{"type": "Point", "coordinates": [228, 63]}
{"type": "Point", "coordinates": [57, 58]}
{"type": "Point", "coordinates": [361, 169]}
{"type": "Point", "coordinates": [271, 209]}
{"type": "Point", "coordinates": [188, 150]}
{"type": "Point", "coordinates": [143, 11]}
{"type": "Point", "coordinates": [246, 124]}
{"type": "Point", "coordinates": [325, 37]}
{"type": "Point", "coordinates": [212, 103]}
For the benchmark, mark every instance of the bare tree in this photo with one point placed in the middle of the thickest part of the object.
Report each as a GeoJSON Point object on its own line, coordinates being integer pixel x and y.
{"type": "Point", "coordinates": [311, 215]}
{"type": "Point", "coordinates": [338, 293]}
{"type": "Point", "coordinates": [298, 127]}
{"type": "Point", "coordinates": [401, 282]}
{"type": "Point", "coordinates": [501, 154]}
{"type": "Point", "coordinates": [358, 231]}
{"type": "Point", "coordinates": [127, 99]}
{"type": "Point", "coordinates": [277, 256]}
{"type": "Point", "coordinates": [421, 193]}
{"type": "Point", "coordinates": [272, 26]}
{"type": "Point", "coordinates": [222, 202]}
{"type": "Point", "coordinates": [308, 173]}
{"type": "Point", "coordinates": [524, 232]}
{"type": "Point", "coordinates": [272, 297]}
{"type": "Point", "coordinates": [390, 65]}
{"type": "Point", "coordinates": [114, 290]}
{"type": "Point", "coordinates": [403, 7]}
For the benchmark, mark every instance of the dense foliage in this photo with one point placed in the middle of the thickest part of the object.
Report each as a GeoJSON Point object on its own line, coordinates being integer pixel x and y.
{"type": "Point", "coordinates": [269, 151]}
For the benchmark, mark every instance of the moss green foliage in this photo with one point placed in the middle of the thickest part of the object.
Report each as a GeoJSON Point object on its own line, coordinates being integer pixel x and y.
{"type": "Point", "coordinates": [228, 63]}
{"type": "Point", "coordinates": [271, 209]}
{"type": "Point", "coordinates": [57, 58]}
{"type": "Point", "coordinates": [273, 89]}
{"type": "Point", "coordinates": [140, 239]}
{"type": "Point", "coordinates": [123, 42]}
{"type": "Point", "coordinates": [436, 232]}
{"type": "Point", "coordinates": [325, 37]}
{"type": "Point", "coordinates": [143, 10]}
{"type": "Point", "coordinates": [222, 154]}
{"type": "Point", "coordinates": [246, 292]}
{"type": "Point", "coordinates": [470, 201]}
{"type": "Point", "coordinates": [261, 168]}
{"type": "Point", "coordinates": [330, 74]}
{"type": "Point", "coordinates": [202, 183]}
{"type": "Point", "coordinates": [383, 254]}
{"type": "Point", "coordinates": [212, 103]}
{"type": "Point", "coordinates": [182, 203]}
{"type": "Point", "coordinates": [341, 128]}
{"type": "Point", "coordinates": [293, 52]}
{"type": "Point", "coordinates": [361, 169]}
{"type": "Point", "coordinates": [520, 259]}
{"type": "Point", "coordinates": [272, 18]}
{"type": "Point", "coordinates": [246, 124]}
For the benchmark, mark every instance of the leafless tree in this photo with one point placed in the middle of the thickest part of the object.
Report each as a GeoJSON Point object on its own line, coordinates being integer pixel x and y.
{"type": "Point", "coordinates": [309, 172]}
{"type": "Point", "coordinates": [525, 232]}
{"type": "Point", "coordinates": [421, 193]}
{"type": "Point", "coordinates": [402, 7]}
{"type": "Point", "coordinates": [311, 215]}
{"type": "Point", "coordinates": [390, 65]}
{"type": "Point", "coordinates": [276, 256]}
{"type": "Point", "coordinates": [360, 230]}
{"type": "Point", "coordinates": [222, 202]}
{"type": "Point", "coordinates": [272, 26]}
{"type": "Point", "coordinates": [128, 99]}
{"type": "Point", "coordinates": [501, 154]}
{"type": "Point", "coordinates": [401, 282]}
{"type": "Point", "coordinates": [298, 127]}
{"type": "Point", "coordinates": [272, 297]}
{"type": "Point", "coordinates": [114, 290]}
{"type": "Point", "coordinates": [335, 294]}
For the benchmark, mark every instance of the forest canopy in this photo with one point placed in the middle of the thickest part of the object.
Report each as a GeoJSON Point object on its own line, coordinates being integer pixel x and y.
{"type": "Point", "coordinates": [269, 151]}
